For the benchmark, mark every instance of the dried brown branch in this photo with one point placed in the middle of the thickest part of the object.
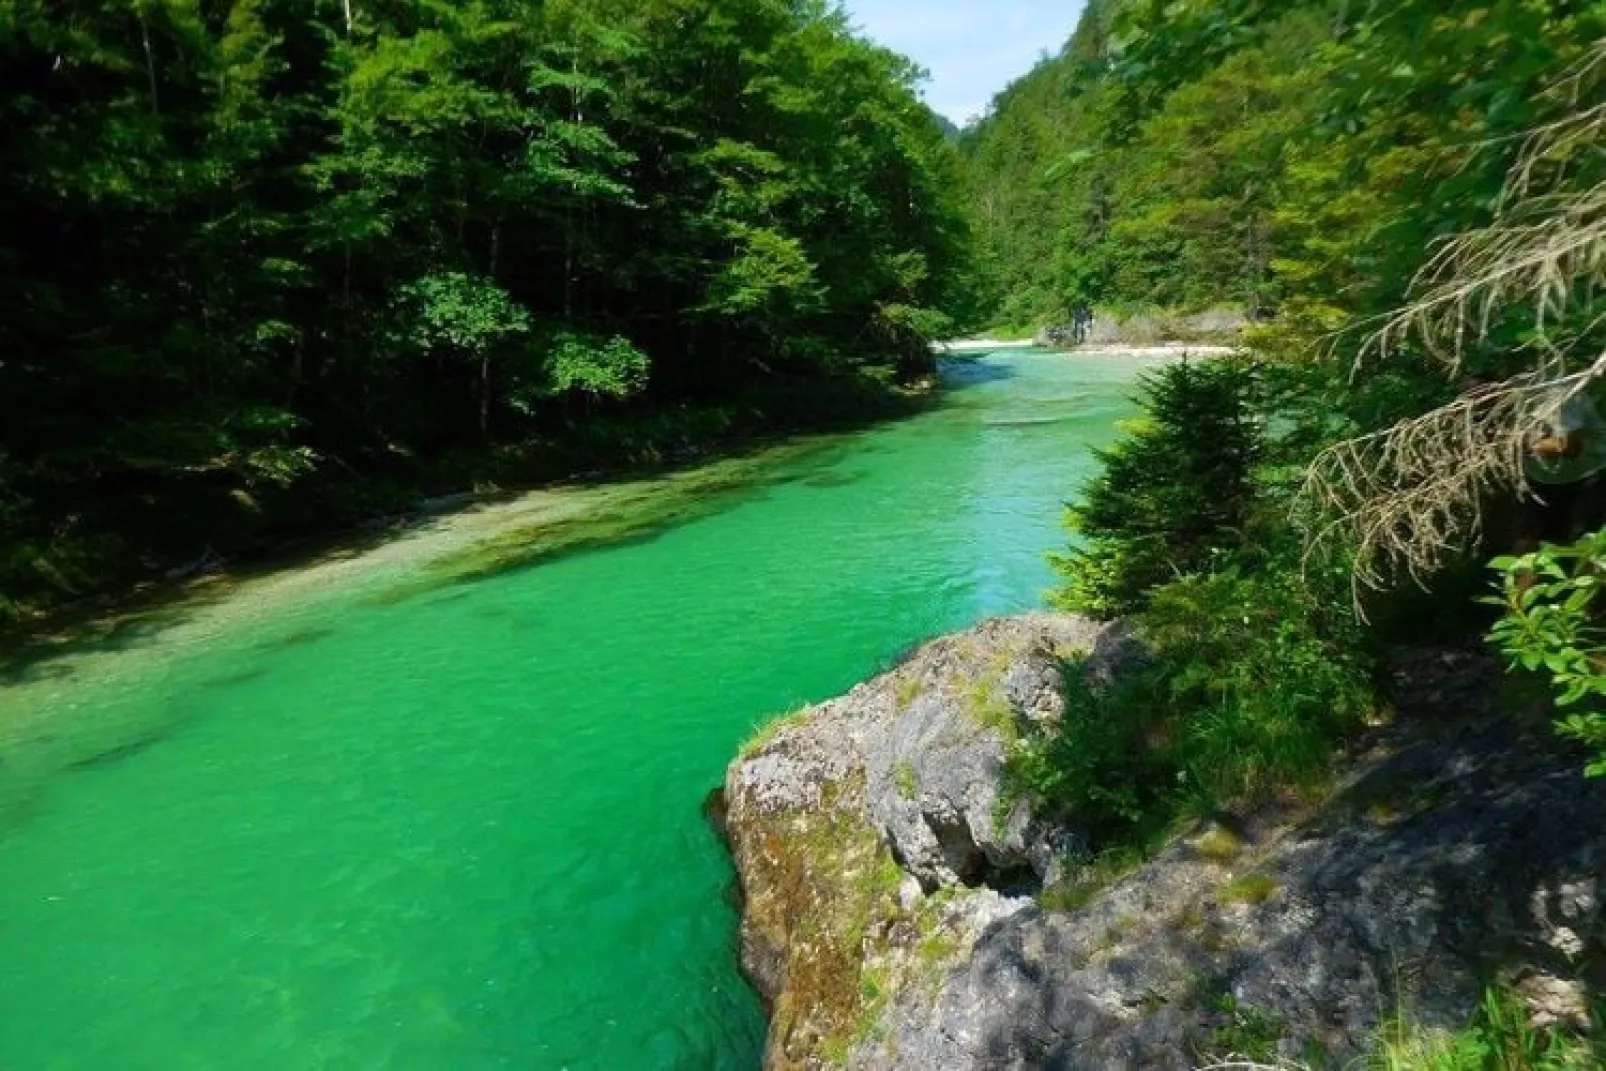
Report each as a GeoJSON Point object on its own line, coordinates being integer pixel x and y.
{"type": "Point", "coordinates": [1549, 251]}
{"type": "Point", "coordinates": [1406, 498]}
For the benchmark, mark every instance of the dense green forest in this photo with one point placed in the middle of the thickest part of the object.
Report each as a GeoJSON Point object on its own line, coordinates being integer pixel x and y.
{"type": "Point", "coordinates": [1257, 155]}
{"type": "Point", "coordinates": [270, 264]}
{"type": "Point", "coordinates": [1408, 201]}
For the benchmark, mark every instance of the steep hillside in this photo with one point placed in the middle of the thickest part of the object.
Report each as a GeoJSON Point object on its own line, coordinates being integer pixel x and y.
{"type": "Point", "coordinates": [1250, 154]}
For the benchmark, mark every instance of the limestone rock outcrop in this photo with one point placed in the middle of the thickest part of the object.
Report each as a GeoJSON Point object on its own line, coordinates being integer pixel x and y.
{"type": "Point", "coordinates": [889, 879]}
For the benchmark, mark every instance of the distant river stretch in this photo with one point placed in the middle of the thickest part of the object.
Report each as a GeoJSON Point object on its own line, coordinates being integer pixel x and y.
{"type": "Point", "coordinates": [415, 814]}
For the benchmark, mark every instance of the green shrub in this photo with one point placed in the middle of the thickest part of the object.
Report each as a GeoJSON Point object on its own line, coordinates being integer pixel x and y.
{"type": "Point", "coordinates": [1098, 764]}
{"type": "Point", "coordinates": [1262, 676]}
{"type": "Point", "coordinates": [1255, 678]}
{"type": "Point", "coordinates": [1553, 605]}
{"type": "Point", "coordinates": [1174, 494]}
{"type": "Point", "coordinates": [1259, 666]}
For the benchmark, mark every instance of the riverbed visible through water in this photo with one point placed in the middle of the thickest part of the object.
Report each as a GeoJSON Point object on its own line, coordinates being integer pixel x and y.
{"type": "Point", "coordinates": [438, 805]}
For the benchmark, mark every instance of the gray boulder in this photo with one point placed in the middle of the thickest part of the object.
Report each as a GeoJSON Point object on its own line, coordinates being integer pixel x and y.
{"type": "Point", "coordinates": [1441, 869]}
{"type": "Point", "coordinates": [888, 919]}
{"type": "Point", "coordinates": [873, 837]}
{"type": "Point", "coordinates": [935, 758]}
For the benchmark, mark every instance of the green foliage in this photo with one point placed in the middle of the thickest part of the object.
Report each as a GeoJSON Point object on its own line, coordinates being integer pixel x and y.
{"type": "Point", "coordinates": [908, 690]}
{"type": "Point", "coordinates": [463, 315]}
{"type": "Point", "coordinates": [1258, 666]}
{"type": "Point", "coordinates": [1298, 161]}
{"type": "Point", "coordinates": [1174, 494]}
{"type": "Point", "coordinates": [1245, 1032]}
{"type": "Point", "coordinates": [1236, 152]}
{"type": "Point", "coordinates": [1087, 879]}
{"type": "Point", "coordinates": [769, 273]}
{"type": "Point", "coordinates": [1499, 1038]}
{"type": "Point", "coordinates": [1250, 889]}
{"type": "Point", "coordinates": [763, 735]}
{"type": "Point", "coordinates": [1553, 604]}
{"type": "Point", "coordinates": [1101, 763]}
{"type": "Point", "coordinates": [1263, 672]}
{"type": "Point", "coordinates": [265, 252]}
{"type": "Point", "coordinates": [612, 368]}
{"type": "Point", "coordinates": [1255, 677]}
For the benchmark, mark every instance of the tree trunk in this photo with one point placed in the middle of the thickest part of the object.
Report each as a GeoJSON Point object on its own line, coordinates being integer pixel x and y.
{"type": "Point", "coordinates": [150, 58]}
{"type": "Point", "coordinates": [485, 396]}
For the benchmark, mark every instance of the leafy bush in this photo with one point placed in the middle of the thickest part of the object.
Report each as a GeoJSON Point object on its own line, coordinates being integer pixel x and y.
{"type": "Point", "coordinates": [1263, 674]}
{"type": "Point", "coordinates": [1173, 495]}
{"type": "Point", "coordinates": [1500, 1038]}
{"type": "Point", "coordinates": [1255, 678]}
{"type": "Point", "coordinates": [1100, 764]}
{"type": "Point", "coordinates": [463, 314]}
{"type": "Point", "coordinates": [1552, 625]}
{"type": "Point", "coordinates": [612, 367]}
{"type": "Point", "coordinates": [1259, 664]}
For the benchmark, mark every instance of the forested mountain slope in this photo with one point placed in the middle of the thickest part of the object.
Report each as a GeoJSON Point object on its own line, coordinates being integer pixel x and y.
{"type": "Point", "coordinates": [1407, 200]}
{"type": "Point", "coordinates": [1254, 154]}
{"type": "Point", "coordinates": [264, 262]}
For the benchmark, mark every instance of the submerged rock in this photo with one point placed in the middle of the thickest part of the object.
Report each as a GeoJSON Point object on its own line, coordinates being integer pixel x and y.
{"type": "Point", "coordinates": [889, 919]}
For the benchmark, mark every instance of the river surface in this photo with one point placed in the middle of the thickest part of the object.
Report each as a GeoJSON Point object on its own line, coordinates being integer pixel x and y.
{"type": "Point", "coordinates": [440, 807]}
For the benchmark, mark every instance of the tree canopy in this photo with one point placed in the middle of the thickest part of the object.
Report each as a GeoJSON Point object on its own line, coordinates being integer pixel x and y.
{"type": "Point", "coordinates": [1183, 155]}
{"type": "Point", "coordinates": [1406, 202]}
{"type": "Point", "coordinates": [264, 253]}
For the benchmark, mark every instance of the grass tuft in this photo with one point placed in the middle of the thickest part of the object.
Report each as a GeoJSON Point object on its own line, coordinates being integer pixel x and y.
{"type": "Point", "coordinates": [763, 735]}
{"type": "Point", "coordinates": [1218, 844]}
{"type": "Point", "coordinates": [908, 690]}
{"type": "Point", "coordinates": [1500, 1037]}
{"type": "Point", "coordinates": [1091, 878]}
{"type": "Point", "coordinates": [1250, 889]}
{"type": "Point", "coordinates": [905, 780]}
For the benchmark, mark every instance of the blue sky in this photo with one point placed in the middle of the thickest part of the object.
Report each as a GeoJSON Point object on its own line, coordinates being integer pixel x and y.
{"type": "Point", "coordinates": [973, 48]}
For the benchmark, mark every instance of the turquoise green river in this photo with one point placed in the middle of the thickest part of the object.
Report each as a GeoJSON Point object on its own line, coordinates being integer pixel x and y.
{"type": "Point", "coordinates": [437, 806]}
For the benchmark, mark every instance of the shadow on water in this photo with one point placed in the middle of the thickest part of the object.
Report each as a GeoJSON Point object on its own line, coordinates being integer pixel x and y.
{"type": "Point", "coordinates": [26, 774]}
{"type": "Point", "coordinates": [128, 749]}
{"type": "Point", "coordinates": [36, 659]}
{"type": "Point", "coordinates": [234, 680]}
{"type": "Point", "coordinates": [833, 479]}
{"type": "Point", "coordinates": [961, 372]}
{"type": "Point", "coordinates": [633, 516]}
{"type": "Point", "coordinates": [128, 621]}
{"type": "Point", "coordinates": [301, 637]}
{"type": "Point", "coordinates": [448, 597]}
{"type": "Point", "coordinates": [19, 801]}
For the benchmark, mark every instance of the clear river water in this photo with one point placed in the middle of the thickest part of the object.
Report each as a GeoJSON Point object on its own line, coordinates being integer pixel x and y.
{"type": "Point", "coordinates": [441, 808]}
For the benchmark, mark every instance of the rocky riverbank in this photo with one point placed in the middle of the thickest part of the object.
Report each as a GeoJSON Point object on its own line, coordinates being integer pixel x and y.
{"type": "Point", "coordinates": [895, 890]}
{"type": "Point", "coordinates": [1214, 327]}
